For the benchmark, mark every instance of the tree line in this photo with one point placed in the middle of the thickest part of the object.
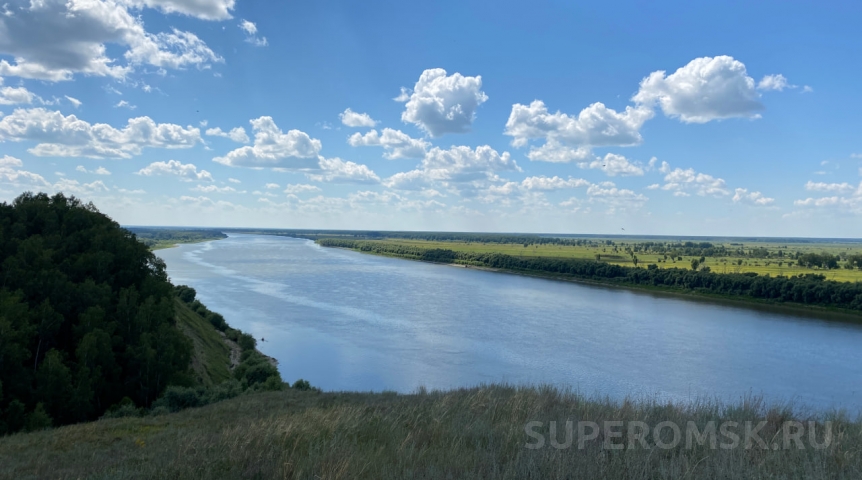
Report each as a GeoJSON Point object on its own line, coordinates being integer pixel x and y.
{"type": "Point", "coordinates": [806, 289]}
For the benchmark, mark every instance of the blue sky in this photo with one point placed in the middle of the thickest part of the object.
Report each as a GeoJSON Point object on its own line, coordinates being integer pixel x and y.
{"type": "Point", "coordinates": [738, 118]}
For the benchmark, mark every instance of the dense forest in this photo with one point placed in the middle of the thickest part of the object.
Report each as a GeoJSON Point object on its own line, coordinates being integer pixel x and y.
{"type": "Point", "coordinates": [808, 289]}
{"type": "Point", "coordinates": [87, 317]}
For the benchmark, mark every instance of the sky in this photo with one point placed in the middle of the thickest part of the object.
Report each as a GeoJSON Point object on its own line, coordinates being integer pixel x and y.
{"type": "Point", "coordinates": [654, 118]}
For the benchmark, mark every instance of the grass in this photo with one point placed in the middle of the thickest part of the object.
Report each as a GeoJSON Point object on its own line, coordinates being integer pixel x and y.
{"type": "Point", "coordinates": [468, 433]}
{"type": "Point", "coordinates": [211, 358]}
{"type": "Point", "coordinates": [716, 264]}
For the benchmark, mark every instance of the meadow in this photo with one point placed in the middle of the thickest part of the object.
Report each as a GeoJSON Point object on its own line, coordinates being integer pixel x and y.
{"type": "Point", "coordinates": [773, 258]}
{"type": "Point", "coordinates": [467, 433]}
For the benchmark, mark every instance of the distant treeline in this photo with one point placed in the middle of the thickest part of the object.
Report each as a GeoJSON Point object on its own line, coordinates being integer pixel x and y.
{"type": "Point", "coordinates": [160, 236]}
{"type": "Point", "coordinates": [808, 289]}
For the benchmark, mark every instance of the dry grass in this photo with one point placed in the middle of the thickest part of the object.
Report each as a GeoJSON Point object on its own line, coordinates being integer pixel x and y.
{"type": "Point", "coordinates": [469, 433]}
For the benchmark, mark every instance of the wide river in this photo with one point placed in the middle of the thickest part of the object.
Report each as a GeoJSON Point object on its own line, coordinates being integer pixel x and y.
{"type": "Point", "coordinates": [350, 321]}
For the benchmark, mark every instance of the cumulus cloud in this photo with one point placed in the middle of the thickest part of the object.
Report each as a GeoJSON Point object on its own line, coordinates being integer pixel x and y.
{"type": "Point", "coordinates": [295, 188]}
{"type": "Point", "coordinates": [336, 170]}
{"type": "Point", "coordinates": [272, 185]}
{"type": "Point", "coordinates": [10, 173]}
{"type": "Point", "coordinates": [742, 195]}
{"type": "Point", "coordinates": [396, 144]}
{"type": "Point", "coordinates": [251, 37]}
{"type": "Point", "coordinates": [203, 9]}
{"type": "Point", "coordinates": [829, 187]}
{"type": "Point", "coordinates": [774, 82]}
{"type": "Point", "coordinates": [68, 136]}
{"type": "Point", "coordinates": [459, 167]}
{"type": "Point", "coordinates": [552, 183]}
{"type": "Point", "coordinates": [15, 95]}
{"type": "Point", "coordinates": [186, 171]}
{"type": "Point", "coordinates": [54, 39]}
{"type": "Point", "coordinates": [213, 189]}
{"type": "Point", "coordinates": [125, 104]}
{"type": "Point", "coordinates": [236, 134]}
{"type": "Point", "coordinates": [614, 165]}
{"type": "Point", "coordinates": [353, 119]}
{"type": "Point", "coordinates": [233, 180]}
{"type": "Point", "coordinates": [679, 180]}
{"type": "Point", "coordinates": [707, 88]}
{"type": "Point", "coordinates": [441, 103]}
{"type": "Point", "coordinates": [554, 152]}
{"type": "Point", "coordinates": [97, 171]}
{"type": "Point", "coordinates": [616, 199]}
{"type": "Point", "coordinates": [595, 126]}
{"type": "Point", "coordinates": [274, 148]}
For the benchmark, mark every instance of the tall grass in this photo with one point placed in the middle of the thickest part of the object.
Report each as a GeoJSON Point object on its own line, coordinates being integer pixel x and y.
{"type": "Point", "coordinates": [467, 433]}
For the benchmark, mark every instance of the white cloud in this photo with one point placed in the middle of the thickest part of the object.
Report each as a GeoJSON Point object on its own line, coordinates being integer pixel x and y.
{"type": "Point", "coordinates": [213, 189]}
{"type": "Point", "coordinates": [54, 39]}
{"type": "Point", "coordinates": [272, 186]}
{"type": "Point", "coordinates": [67, 136]}
{"type": "Point", "coordinates": [74, 101]}
{"type": "Point", "coordinates": [233, 180]}
{"type": "Point", "coordinates": [251, 37]}
{"type": "Point", "coordinates": [459, 167]}
{"type": "Point", "coordinates": [774, 82]}
{"type": "Point", "coordinates": [336, 170]}
{"type": "Point", "coordinates": [568, 138]}
{"type": "Point", "coordinates": [186, 171]}
{"type": "Point", "coordinates": [707, 88]}
{"type": "Point", "coordinates": [125, 104]}
{"type": "Point", "coordinates": [552, 183]}
{"type": "Point", "coordinates": [203, 9]}
{"type": "Point", "coordinates": [829, 187]}
{"type": "Point", "coordinates": [15, 95]}
{"type": "Point", "coordinates": [98, 171]}
{"type": "Point", "coordinates": [553, 151]}
{"type": "Point", "coordinates": [807, 89]}
{"type": "Point", "coordinates": [441, 104]}
{"type": "Point", "coordinates": [679, 180]}
{"type": "Point", "coordinates": [354, 119]}
{"type": "Point", "coordinates": [273, 148]}
{"type": "Point", "coordinates": [395, 143]}
{"type": "Point", "coordinates": [9, 173]}
{"type": "Point", "coordinates": [616, 199]}
{"type": "Point", "coordinates": [614, 165]}
{"type": "Point", "coordinates": [67, 186]}
{"type": "Point", "coordinates": [753, 198]}
{"type": "Point", "coordinates": [295, 188]}
{"type": "Point", "coordinates": [236, 134]}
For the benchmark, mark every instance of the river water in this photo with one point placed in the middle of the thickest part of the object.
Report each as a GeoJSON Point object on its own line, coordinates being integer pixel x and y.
{"type": "Point", "coordinates": [350, 321]}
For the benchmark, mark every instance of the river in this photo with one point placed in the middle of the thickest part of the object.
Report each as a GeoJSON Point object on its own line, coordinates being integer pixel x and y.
{"type": "Point", "coordinates": [350, 321]}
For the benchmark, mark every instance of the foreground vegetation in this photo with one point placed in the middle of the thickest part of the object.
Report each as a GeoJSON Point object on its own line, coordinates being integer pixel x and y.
{"type": "Point", "coordinates": [91, 326]}
{"type": "Point", "coordinates": [468, 433]}
{"type": "Point", "coordinates": [806, 289]}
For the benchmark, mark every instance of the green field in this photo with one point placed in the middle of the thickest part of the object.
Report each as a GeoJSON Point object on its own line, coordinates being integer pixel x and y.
{"type": "Point", "coordinates": [772, 264]}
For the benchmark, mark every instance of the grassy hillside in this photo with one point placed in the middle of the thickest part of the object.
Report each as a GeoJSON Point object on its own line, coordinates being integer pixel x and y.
{"type": "Point", "coordinates": [211, 357]}
{"type": "Point", "coordinates": [470, 433]}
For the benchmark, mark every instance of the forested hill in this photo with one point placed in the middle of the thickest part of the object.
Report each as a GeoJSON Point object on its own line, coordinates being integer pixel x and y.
{"type": "Point", "coordinates": [86, 314]}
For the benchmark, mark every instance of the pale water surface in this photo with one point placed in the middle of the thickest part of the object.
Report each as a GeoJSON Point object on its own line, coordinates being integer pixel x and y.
{"type": "Point", "coordinates": [350, 321]}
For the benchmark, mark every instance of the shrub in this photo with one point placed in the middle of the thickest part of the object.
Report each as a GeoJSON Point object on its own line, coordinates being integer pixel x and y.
{"type": "Point", "coordinates": [177, 398]}
{"type": "Point", "coordinates": [38, 419]}
{"type": "Point", "coordinates": [246, 342]}
{"type": "Point", "coordinates": [301, 385]}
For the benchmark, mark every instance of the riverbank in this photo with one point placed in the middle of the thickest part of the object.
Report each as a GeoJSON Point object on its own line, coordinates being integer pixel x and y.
{"type": "Point", "coordinates": [482, 432]}
{"type": "Point", "coordinates": [826, 312]}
